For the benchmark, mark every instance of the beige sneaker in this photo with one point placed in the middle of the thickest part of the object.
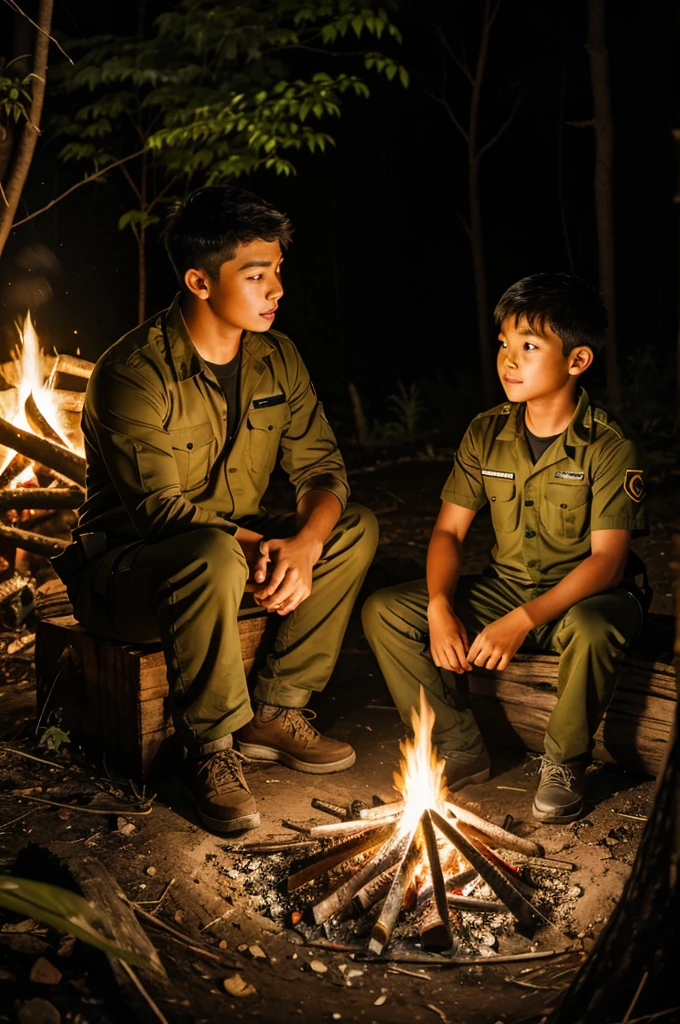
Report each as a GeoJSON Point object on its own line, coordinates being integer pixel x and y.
{"type": "Point", "coordinates": [285, 735]}
{"type": "Point", "coordinates": [223, 801]}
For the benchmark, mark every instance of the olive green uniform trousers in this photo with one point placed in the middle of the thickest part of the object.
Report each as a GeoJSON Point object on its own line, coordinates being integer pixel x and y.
{"type": "Point", "coordinates": [185, 591]}
{"type": "Point", "coordinates": [590, 638]}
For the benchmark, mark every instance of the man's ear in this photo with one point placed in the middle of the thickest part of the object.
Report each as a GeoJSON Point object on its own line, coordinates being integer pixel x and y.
{"type": "Point", "coordinates": [197, 282]}
{"type": "Point", "coordinates": [580, 359]}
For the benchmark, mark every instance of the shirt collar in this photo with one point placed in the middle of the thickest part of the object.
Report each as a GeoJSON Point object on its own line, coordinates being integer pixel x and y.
{"type": "Point", "coordinates": [577, 434]}
{"type": "Point", "coordinates": [182, 353]}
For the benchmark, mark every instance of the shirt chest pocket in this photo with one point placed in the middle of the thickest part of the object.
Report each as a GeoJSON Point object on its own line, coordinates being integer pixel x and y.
{"type": "Point", "coordinates": [504, 507]}
{"type": "Point", "coordinates": [193, 449]}
{"type": "Point", "coordinates": [265, 427]}
{"type": "Point", "coordinates": [566, 510]}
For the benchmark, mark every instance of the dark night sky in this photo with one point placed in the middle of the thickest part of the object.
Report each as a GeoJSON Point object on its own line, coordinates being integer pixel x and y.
{"type": "Point", "coordinates": [379, 281]}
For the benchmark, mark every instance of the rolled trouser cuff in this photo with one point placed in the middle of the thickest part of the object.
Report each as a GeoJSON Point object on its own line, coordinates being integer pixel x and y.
{"type": "Point", "coordinates": [217, 736]}
{"type": "Point", "coordinates": [281, 693]}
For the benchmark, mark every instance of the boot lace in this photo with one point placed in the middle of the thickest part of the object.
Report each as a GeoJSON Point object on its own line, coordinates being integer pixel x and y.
{"type": "Point", "coordinates": [557, 774]}
{"type": "Point", "coordinates": [297, 721]}
{"type": "Point", "coordinates": [223, 770]}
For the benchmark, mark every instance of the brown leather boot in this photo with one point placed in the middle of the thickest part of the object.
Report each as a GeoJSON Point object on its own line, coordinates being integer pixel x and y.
{"type": "Point", "coordinates": [223, 800]}
{"type": "Point", "coordinates": [286, 735]}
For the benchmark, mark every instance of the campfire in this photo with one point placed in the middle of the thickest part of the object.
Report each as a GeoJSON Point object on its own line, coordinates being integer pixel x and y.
{"type": "Point", "coordinates": [421, 854]}
{"type": "Point", "coordinates": [42, 466]}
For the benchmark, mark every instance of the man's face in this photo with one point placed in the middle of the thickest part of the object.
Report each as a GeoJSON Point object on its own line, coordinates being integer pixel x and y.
{"type": "Point", "coordinates": [247, 294]}
{"type": "Point", "coordinates": [532, 366]}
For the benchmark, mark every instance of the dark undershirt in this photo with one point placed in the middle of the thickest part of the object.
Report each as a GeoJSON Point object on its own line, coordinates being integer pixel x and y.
{"type": "Point", "coordinates": [538, 445]}
{"type": "Point", "coordinates": [229, 378]}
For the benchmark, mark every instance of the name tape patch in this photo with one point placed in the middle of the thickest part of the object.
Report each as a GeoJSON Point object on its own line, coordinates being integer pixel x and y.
{"type": "Point", "coordinates": [569, 474]}
{"type": "Point", "coordinates": [267, 403]}
{"type": "Point", "coordinates": [498, 473]}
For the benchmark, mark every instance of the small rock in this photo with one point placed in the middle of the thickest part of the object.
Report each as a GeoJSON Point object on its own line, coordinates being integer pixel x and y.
{"type": "Point", "coordinates": [318, 966]}
{"type": "Point", "coordinates": [295, 917]}
{"type": "Point", "coordinates": [237, 986]}
{"type": "Point", "coordinates": [257, 952]}
{"type": "Point", "coordinates": [151, 872]}
{"type": "Point", "coordinates": [27, 925]}
{"type": "Point", "coordinates": [38, 1011]}
{"type": "Point", "coordinates": [242, 947]}
{"type": "Point", "coordinates": [126, 828]}
{"type": "Point", "coordinates": [64, 814]}
{"type": "Point", "coordinates": [380, 1000]}
{"type": "Point", "coordinates": [178, 916]}
{"type": "Point", "coordinates": [575, 891]}
{"type": "Point", "coordinates": [223, 944]}
{"type": "Point", "coordinates": [44, 973]}
{"type": "Point", "coordinates": [66, 945]}
{"type": "Point", "coordinates": [337, 1016]}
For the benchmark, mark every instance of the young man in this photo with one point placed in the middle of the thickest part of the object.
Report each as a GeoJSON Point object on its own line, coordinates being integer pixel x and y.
{"type": "Point", "coordinates": [564, 482]}
{"type": "Point", "coordinates": [184, 419]}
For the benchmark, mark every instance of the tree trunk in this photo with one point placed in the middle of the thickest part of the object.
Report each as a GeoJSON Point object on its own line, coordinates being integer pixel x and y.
{"type": "Point", "coordinates": [632, 971]}
{"type": "Point", "coordinates": [31, 128]}
{"type": "Point", "coordinates": [141, 271]}
{"type": "Point", "coordinates": [676, 202]}
{"type": "Point", "coordinates": [604, 195]}
{"type": "Point", "coordinates": [476, 232]}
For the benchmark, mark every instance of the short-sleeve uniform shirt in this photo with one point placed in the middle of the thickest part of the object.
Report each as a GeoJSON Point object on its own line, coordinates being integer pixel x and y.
{"type": "Point", "coordinates": [590, 478]}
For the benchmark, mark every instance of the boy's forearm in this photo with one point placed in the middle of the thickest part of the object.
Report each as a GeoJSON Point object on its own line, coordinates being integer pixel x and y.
{"type": "Point", "coordinates": [444, 560]}
{"type": "Point", "coordinates": [594, 575]}
{"type": "Point", "coordinates": [317, 514]}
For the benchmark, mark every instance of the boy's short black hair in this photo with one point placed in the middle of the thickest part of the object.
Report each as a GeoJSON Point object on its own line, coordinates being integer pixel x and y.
{"type": "Point", "coordinates": [570, 307]}
{"type": "Point", "coordinates": [204, 231]}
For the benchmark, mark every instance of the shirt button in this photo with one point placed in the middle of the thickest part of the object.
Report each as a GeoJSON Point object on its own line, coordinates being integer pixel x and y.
{"type": "Point", "coordinates": [190, 445]}
{"type": "Point", "coordinates": [270, 427]}
{"type": "Point", "coordinates": [532, 564]}
{"type": "Point", "coordinates": [529, 534]}
{"type": "Point", "coordinates": [563, 504]}
{"type": "Point", "coordinates": [493, 497]}
{"type": "Point", "coordinates": [528, 502]}
{"type": "Point", "coordinates": [233, 469]}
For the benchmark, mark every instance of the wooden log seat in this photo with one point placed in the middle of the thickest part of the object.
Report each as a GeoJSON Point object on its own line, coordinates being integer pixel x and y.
{"type": "Point", "coordinates": [113, 697]}
{"type": "Point", "coordinates": [513, 706]}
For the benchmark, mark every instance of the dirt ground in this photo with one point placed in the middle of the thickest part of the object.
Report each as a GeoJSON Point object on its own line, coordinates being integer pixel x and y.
{"type": "Point", "coordinates": [232, 908]}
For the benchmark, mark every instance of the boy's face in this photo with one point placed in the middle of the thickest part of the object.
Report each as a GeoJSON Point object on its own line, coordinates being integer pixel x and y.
{"type": "Point", "coordinates": [246, 295]}
{"type": "Point", "coordinates": [533, 366]}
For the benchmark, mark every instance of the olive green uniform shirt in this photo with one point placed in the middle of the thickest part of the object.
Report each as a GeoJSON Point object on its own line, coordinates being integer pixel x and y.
{"type": "Point", "coordinates": [590, 478]}
{"type": "Point", "coordinates": [155, 426]}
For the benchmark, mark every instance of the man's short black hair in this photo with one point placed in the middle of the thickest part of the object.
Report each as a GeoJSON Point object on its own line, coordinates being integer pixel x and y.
{"type": "Point", "coordinates": [569, 306]}
{"type": "Point", "coordinates": [204, 231]}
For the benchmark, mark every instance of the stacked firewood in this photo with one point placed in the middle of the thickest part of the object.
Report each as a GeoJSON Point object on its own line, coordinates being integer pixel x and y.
{"type": "Point", "coordinates": [59, 470]}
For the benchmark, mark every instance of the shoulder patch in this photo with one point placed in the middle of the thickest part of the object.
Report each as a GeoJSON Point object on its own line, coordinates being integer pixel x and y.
{"type": "Point", "coordinates": [634, 484]}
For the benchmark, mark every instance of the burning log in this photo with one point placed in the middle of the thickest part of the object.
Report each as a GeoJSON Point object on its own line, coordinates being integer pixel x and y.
{"type": "Point", "coordinates": [382, 812]}
{"type": "Point", "coordinates": [38, 423]}
{"type": "Point", "coordinates": [40, 497]}
{"type": "Point", "coordinates": [12, 470]}
{"type": "Point", "coordinates": [342, 828]}
{"type": "Point", "coordinates": [321, 865]}
{"type": "Point", "coordinates": [500, 836]}
{"type": "Point", "coordinates": [69, 401]}
{"type": "Point", "coordinates": [343, 813]}
{"type": "Point", "coordinates": [35, 543]}
{"type": "Point", "coordinates": [374, 890]}
{"type": "Point", "coordinates": [391, 851]}
{"type": "Point", "coordinates": [60, 461]}
{"type": "Point", "coordinates": [505, 889]}
{"type": "Point", "coordinates": [474, 903]}
{"type": "Point", "coordinates": [72, 365]}
{"type": "Point", "coordinates": [384, 926]}
{"type": "Point", "coordinates": [436, 934]}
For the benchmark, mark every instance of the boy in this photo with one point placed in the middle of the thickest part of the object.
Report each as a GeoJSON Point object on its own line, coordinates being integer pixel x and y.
{"type": "Point", "coordinates": [564, 482]}
{"type": "Point", "coordinates": [184, 418]}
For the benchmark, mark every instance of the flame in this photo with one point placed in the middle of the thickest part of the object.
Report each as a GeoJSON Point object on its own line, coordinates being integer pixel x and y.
{"type": "Point", "coordinates": [31, 375]}
{"type": "Point", "coordinates": [420, 777]}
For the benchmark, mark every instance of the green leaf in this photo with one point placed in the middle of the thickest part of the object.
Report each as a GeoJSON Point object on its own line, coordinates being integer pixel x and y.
{"type": "Point", "coordinates": [68, 912]}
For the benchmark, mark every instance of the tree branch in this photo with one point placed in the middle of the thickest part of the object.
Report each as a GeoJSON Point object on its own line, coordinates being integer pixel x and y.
{"type": "Point", "coordinates": [91, 177]}
{"type": "Point", "coordinates": [13, 5]}
{"type": "Point", "coordinates": [131, 183]}
{"type": "Point", "coordinates": [451, 115]}
{"type": "Point", "coordinates": [462, 65]}
{"type": "Point", "coordinates": [501, 130]}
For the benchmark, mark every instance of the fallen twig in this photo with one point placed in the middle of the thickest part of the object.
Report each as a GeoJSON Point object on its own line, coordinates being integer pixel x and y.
{"type": "Point", "coordinates": [177, 936]}
{"type": "Point", "coordinates": [6, 824]}
{"type": "Point", "coordinates": [162, 896]}
{"type": "Point", "coordinates": [142, 991]}
{"type": "Point", "coordinates": [437, 960]}
{"type": "Point", "coordinates": [31, 757]}
{"type": "Point", "coordinates": [412, 974]}
{"type": "Point", "coordinates": [121, 809]}
{"type": "Point", "coordinates": [635, 817]}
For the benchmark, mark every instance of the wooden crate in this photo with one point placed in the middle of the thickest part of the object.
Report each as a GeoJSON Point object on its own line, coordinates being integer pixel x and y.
{"type": "Point", "coordinates": [114, 697]}
{"type": "Point", "coordinates": [513, 706]}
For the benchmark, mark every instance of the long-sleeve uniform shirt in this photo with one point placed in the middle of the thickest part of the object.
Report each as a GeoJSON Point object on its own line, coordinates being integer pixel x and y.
{"type": "Point", "coordinates": [590, 478]}
{"type": "Point", "coordinates": [155, 426]}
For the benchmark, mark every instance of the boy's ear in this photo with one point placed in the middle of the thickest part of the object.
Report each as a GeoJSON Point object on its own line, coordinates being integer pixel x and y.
{"type": "Point", "coordinates": [197, 283]}
{"type": "Point", "coordinates": [580, 359]}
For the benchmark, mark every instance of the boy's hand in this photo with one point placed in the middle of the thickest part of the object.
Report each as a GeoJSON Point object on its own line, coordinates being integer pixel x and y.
{"type": "Point", "coordinates": [448, 639]}
{"type": "Point", "coordinates": [499, 642]}
{"type": "Point", "coordinates": [257, 559]}
{"type": "Point", "coordinates": [291, 580]}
